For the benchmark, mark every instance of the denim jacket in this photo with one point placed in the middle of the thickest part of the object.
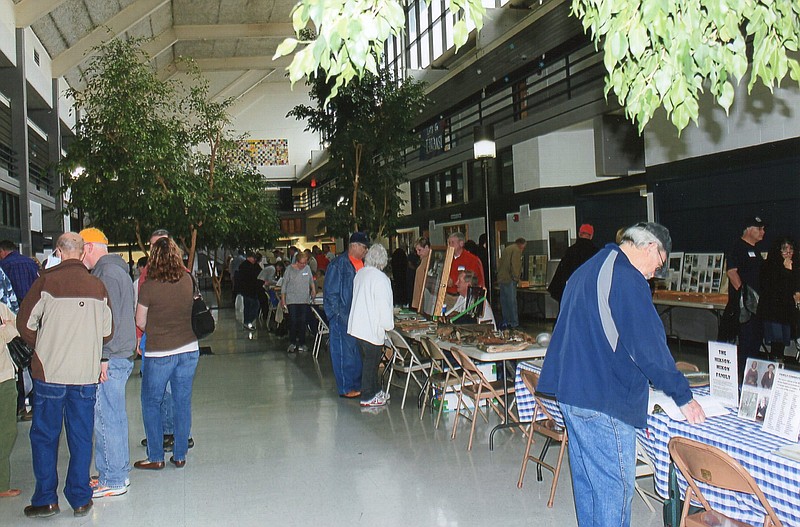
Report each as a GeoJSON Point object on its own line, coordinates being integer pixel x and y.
{"type": "Point", "coordinates": [339, 289]}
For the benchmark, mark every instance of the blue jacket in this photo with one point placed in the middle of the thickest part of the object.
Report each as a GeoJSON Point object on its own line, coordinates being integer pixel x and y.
{"type": "Point", "coordinates": [609, 341]}
{"type": "Point", "coordinates": [338, 293]}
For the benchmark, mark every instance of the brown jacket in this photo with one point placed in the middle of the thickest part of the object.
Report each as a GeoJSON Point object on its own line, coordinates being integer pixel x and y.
{"type": "Point", "coordinates": [66, 317]}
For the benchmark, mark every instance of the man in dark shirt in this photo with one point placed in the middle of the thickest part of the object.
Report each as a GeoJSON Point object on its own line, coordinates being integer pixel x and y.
{"type": "Point", "coordinates": [249, 286]}
{"type": "Point", "coordinates": [744, 266]}
{"type": "Point", "coordinates": [574, 257]}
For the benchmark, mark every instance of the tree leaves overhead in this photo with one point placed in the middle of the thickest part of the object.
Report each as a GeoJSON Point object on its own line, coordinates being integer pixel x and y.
{"type": "Point", "coordinates": [348, 36]}
{"type": "Point", "coordinates": [373, 115]}
{"type": "Point", "coordinates": [666, 53]}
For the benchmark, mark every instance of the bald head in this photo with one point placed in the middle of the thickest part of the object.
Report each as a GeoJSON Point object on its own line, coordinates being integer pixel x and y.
{"type": "Point", "coordinates": [70, 245]}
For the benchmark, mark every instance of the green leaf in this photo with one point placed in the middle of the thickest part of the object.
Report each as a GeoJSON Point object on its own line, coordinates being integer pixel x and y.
{"type": "Point", "coordinates": [285, 47]}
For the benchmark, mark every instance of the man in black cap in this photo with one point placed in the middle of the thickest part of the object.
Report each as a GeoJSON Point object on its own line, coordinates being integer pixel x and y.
{"type": "Point", "coordinates": [744, 265]}
{"type": "Point", "coordinates": [345, 356]}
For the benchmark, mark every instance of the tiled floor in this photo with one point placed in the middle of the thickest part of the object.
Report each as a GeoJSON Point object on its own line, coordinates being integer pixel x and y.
{"type": "Point", "coordinates": [276, 446]}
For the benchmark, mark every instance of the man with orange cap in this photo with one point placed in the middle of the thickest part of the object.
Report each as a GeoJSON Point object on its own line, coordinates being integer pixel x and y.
{"type": "Point", "coordinates": [112, 455]}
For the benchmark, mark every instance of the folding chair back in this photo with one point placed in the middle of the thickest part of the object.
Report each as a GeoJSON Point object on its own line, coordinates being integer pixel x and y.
{"type": "Point", "coordinates": [699, 462]}
{"type": "Point", "coordinates": [550, 429]}
{"type": "Point", "coordinates": [475, 386]}
{"type": "Point", "coordinates": [322, 330]}
{"type": "Point", "coordinates": [406, 361]}
{"type": "Point", "coordinates": [442, 375]}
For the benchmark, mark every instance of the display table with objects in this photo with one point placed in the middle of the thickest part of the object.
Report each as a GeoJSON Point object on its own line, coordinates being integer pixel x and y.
{"type": "Point", "coordinates": [778, 476]}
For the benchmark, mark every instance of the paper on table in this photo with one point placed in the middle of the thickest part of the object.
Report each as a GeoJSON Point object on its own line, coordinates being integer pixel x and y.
{"type": "Point", "coordinates": [789, 451]}
{"type": "Point", "coordinates": [711, 405]}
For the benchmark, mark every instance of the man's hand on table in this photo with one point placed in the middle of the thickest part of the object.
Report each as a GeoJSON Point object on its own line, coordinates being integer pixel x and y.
{"type": "Point", "coordinates": [694, 412]}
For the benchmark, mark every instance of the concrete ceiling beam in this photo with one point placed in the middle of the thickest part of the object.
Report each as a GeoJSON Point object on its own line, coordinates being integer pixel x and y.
{"type": "Point", "coordinates": [219, 31]}
{"type": "Point", "coordinates": [117, 25]}
{"type": "Point", "coordinates": [29, 11]}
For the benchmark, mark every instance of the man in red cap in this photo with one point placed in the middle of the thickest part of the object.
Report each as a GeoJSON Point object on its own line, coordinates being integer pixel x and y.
{"type": "Point", "coordinates": [582, 250]}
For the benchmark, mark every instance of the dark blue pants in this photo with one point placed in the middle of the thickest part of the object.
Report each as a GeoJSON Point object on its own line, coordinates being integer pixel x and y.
{"type": "Point", "coordinates": [345, 358]}
{"type": "Point", "coordinates": [72, 405]}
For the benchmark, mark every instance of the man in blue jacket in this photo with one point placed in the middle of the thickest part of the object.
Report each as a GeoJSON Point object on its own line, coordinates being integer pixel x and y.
{"type": "Point", "coordinates": [607, 344]}
{"type": "Point", "coordinates": [345, 357]}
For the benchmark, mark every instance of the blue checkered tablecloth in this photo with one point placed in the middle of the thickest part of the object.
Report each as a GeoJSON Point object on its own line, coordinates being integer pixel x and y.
{"type": "Point", "coordinates": [777, 476]}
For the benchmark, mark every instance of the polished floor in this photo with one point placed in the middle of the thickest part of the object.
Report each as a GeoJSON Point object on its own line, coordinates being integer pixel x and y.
{"type": "Point", "coordinates": [276, 446]}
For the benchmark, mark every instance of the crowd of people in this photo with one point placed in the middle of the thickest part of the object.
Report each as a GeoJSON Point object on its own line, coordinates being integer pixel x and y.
{"type": "Point", "coordinates": [85, 320]}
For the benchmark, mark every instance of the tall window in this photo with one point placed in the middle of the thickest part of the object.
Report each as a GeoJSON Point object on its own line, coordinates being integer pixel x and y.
{"type": "Point", "coordinates": [9, 209]}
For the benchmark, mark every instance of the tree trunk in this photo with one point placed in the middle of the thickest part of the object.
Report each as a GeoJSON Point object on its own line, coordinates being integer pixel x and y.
{"type": "Point", "coordinates": [192, 248]}
{"type": "Point", "coordinates": [358, 147]}
{"type": "Point", "coordinates": [216, 281]}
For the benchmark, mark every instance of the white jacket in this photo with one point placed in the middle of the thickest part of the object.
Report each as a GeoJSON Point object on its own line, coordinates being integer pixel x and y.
{"type": "Point", "coordinates": [371, 313]}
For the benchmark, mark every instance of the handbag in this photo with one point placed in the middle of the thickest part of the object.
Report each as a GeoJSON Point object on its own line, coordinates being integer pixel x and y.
{"type": "Point", "coordinates": [20, 353]}
{"type": "Point", "coordinates": [203, 323]}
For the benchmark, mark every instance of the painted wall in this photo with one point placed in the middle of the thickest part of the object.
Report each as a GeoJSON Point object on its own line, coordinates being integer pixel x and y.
{"type": "Point", "coordinates": [475, 227]}
{"type": "Point", "coordinates": [758, 118]}
{"type": "Point", "coordinates": [261, 113]}
{"type": "Point", "coordinates": [38, 74]}
{"type": "Point", "coordinates": [555, 160]}
{"type": "Point", "coordinates": [8, 45]}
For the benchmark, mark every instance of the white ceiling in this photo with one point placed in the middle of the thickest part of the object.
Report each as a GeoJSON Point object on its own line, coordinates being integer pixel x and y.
{"type": "Point", "coordinates": [232, 41]}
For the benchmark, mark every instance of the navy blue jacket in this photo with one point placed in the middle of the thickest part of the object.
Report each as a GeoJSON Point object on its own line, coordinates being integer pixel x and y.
{"type": "Point", "coordinates": [609, 341]}
{"type": "Point", "coordinates": [338, 294]}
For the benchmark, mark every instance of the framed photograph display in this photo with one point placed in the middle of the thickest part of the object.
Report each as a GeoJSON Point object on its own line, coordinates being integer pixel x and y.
{"type": "Point", "coordinates": [702, 272]}
{"type": "Point", "coordinates": [537, 270]}
{"type": "Point", "coordinates": [675, 263]}
{"type": "Point", "coordinates": [436, 275]}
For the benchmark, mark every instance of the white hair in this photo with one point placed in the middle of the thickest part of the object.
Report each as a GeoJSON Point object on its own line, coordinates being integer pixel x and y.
{"type": "Point", "coordinates": [376, 256]}
{"type": "Point", "coordinates": [644, 233]}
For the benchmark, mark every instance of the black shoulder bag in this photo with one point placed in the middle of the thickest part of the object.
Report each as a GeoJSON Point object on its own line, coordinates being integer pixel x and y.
{"type": "Point", "coordinates": [20, 352]}
{"type": "Point", "coordinates": [203, 323]}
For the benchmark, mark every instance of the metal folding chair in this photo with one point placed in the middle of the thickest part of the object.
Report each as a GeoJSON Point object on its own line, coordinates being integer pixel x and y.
{"type": "Point", "coordinates": [405, 360]}
{"type": "Point", "coordinates": [322, 330]}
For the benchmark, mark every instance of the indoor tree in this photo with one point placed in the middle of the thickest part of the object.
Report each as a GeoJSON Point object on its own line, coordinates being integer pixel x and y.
{"type": "Point", "coordinates": [368, 126]}
{"type": "Point", "coordinates": [129, 143]}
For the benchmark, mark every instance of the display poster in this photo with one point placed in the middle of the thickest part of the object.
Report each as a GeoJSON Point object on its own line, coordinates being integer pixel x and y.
{"type": "Point", "coordinates": [759, 377]}
{"type": "Point", "coordinates": [722, 373]}
{"type": "Point", "coordinates": [783, 412]}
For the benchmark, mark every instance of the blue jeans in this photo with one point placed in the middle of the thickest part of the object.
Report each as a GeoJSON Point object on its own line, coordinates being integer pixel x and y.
{"type": "Point", "coordinates": [72, 405]}
{"type": "Point", "coordinates": [112, 454]}
{"type": "Point", "coordinates": [251, 309]}
{"type": "Point", "coordinates": [602, 459]}
{"type": "Point", "coordinates": [345, 357]}
{"type": "Point", "coordinates": [508, 304]}
{"type": "Point", "coordinates": [178, 370]}
{"type": "Point", "coordinates": [166, 405]}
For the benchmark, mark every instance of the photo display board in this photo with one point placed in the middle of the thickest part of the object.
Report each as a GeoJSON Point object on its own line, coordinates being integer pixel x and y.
{"type": "Point", "coordinates": [436, 275]}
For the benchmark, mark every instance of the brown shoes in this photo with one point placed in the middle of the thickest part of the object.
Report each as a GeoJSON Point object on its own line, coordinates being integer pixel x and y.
{"type": "Point", "coordinates": [351, 394]}
{"type": "Point", "coordinates": [42, 511]}
{"type": "Point", "coordinates": [178, 464]}
{"type": "Point", "coordinates": [10, 493]}
{"type": "Point", "coordinates": [83, 510]}
{"type": "Point", "coordinates": [146, 464]}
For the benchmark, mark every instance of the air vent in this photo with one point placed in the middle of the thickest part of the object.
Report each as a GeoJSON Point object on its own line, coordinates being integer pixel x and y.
{"type": "Point", "coordinates": [36, 57]}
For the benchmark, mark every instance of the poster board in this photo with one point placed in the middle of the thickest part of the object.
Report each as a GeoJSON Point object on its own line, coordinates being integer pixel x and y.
{"type": "Point", "coordinates": [759, 377]}
{"type": "Point", "coordinates": [675, 264]}
{"type": "Point", "coordinates": [537, 270]}
{"type": "Point", "coordinates": [436, 275]}
{"type": "Point", "coordinates": [702, 272]}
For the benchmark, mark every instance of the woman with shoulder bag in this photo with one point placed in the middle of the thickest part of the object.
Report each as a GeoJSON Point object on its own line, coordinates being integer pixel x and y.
{"type": "Point", "coordinates": [8, 398]}
{"type": "Point", "coordinates": [164, 313]}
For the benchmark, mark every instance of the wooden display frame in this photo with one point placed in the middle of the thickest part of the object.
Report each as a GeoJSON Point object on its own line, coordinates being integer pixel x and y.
{"type": "Point", "coordinates": [437, 272]}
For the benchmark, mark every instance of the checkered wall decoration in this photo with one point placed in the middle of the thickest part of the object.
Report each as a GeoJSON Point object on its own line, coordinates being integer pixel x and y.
{"type": "Point", "coordinates": [264, 152]}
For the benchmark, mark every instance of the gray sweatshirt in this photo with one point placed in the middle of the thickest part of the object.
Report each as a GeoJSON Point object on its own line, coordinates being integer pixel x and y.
{"type": "Point", "coordinates": [112, 270]}
{"type": "Point", "coordinates": [296, 285]}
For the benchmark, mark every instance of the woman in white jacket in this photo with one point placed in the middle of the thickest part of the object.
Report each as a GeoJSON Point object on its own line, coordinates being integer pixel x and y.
{"type": "Point", "coordinates": [371, 316]}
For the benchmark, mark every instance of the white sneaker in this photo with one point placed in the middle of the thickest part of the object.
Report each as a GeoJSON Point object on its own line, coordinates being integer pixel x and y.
{"type": "Point", "coordinates": [377, 400]}
{"type": "Point", "coordinates": [250, 327]}
{"type": "Point", "coordinates": [291, 349]}
{"type": "Point", "coordinates": [385, 395]}
{"type": "Point", "coordinates": [102, 491]}
{"type": "Point", "coordinates": [302, 349]}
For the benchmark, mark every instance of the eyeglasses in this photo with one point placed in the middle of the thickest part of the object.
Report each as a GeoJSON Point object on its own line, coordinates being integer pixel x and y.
{"type": "Point", "coordinates": [660, 258]}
